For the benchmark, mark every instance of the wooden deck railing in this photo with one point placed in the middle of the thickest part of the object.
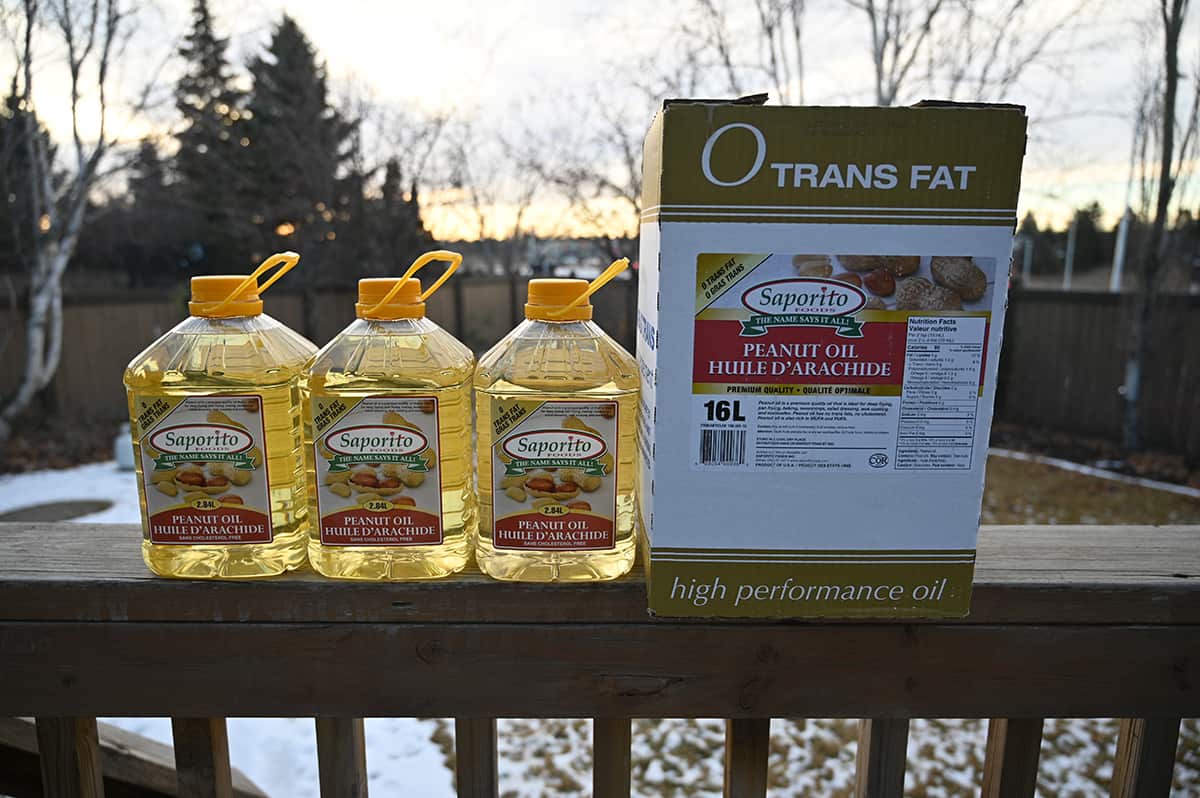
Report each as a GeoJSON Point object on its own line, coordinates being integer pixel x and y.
{"type": "Point", "coordinates": [1067, 622]}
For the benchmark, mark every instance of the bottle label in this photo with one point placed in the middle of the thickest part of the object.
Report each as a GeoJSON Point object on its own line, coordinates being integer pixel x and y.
{"type": "Point", "coordinates": [553, 474]}
{"type": "Point", "coordinates": [840, 364]}
{"type": "Point", "coordinates": [203, 469]}
{"type": "Point", "coordinates": [378, 482]}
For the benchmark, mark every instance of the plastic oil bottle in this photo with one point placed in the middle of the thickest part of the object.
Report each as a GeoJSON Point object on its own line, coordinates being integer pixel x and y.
{"type": "Point", "coordinates": [556, 402]}
{"type": "Point", "coordinates": [387, 423]}
{"type": "Point", "coordinates": [214, 408]}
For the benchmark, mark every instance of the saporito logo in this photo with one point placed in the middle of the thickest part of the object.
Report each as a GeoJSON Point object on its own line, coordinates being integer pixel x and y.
{"type": "Point", "coordinates": [201, 439]}
{"type": "Point", "coordinates": [814, 295]}
{"type": "Point", "coordinates": [371, 439]}
{"type": "Point", "coordinates": [566, 444]}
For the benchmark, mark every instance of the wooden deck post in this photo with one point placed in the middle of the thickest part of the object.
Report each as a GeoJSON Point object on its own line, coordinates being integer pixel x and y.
{"type": "Point", "coordinates": [69, 750]}
{"type": "Point", "coordinates": [202, 757]}
{"type": "Point", "coordinates": [611, 767]}
{"type": "Point", "coordinates": [879, 766]}
{"type": "Point", "coordinates": [1145, 758]}
{"type": "Point", "coordinates": [747, 742]}
{"type": "Point", "coordinates": [342, 757]}
{"type": "Point", "coordinates": [475, 766]}
{"type": "Point", "coordinates": [1010, 763]}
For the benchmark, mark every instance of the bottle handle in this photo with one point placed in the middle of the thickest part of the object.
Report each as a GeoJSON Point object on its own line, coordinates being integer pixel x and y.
{"type": "Point", "coordinates": [606, 276]}
{"type": "Point", "coordinates": [453, 258]}
{"type": "Point", "coordinates": [286, 261]}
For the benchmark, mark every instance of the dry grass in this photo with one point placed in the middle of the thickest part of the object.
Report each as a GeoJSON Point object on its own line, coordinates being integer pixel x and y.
{"type": "Point", "coordinates": [1019, 492]}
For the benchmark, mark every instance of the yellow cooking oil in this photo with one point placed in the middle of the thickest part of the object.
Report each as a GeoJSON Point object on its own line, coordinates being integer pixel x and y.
{"type": "Point", "coordinates": [556, 402]}
{"type": "Point", "coordinates": [387, 429]}
{"type": "Point", "coordinates": [214, 408]}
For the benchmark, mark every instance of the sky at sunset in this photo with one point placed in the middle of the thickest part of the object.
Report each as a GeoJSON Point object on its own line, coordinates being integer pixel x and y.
{"type": "Point", "coordinates": [527, 64]}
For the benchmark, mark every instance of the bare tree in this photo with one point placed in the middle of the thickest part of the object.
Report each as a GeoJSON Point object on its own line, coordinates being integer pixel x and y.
{"type": "Point", "coordinates": [598, 172]}
{"type": "Point", "coordinates": [983, 48]}
{"type": "Point", "coordinates": [968, 49]}
{"type": "Point", "coordinates": [708, 27]}
{"type": "Point", "coordinates": [715, 35]}
{"type": "Point", "coordinates": [1172, 14]}
{"type": "Point", "coordinates": [1189, 145]}
{"type": "Point", "coordinates": [962, 49]}
{"type": "Point", "coordinates": [472, 185]}
{"type": "Point", "coordinates": [593, 165]}
{"type": "Point", "coordinates": [525, 190]}
{"type": "Point", "coordinates": [488, 188]}
{"type": "Point", "coordinates": [387, 131]}
{"type": "Point", "coordinates": [781, 24]}
{"type": "Point", "coordinates": [899, 31]}
{"type": "Point", "coordinates": [90, 33]}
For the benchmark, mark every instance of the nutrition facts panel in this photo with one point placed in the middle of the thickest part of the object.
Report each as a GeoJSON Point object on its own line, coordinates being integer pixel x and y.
{"type": "Point", "coordinates": [940, 396]}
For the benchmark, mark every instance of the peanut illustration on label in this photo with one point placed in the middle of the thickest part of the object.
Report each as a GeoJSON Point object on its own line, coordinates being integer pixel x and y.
{"type": "Point", "coordinates": [880, 282]}
{"type": "Point", "coordinates": [959, 275]}
{"type": "Point", "coordinates": [917, 293]}
{"type": "Point", "coordinates": [896, 265]}
{"type": "Point", "coordinates": [812, 265]}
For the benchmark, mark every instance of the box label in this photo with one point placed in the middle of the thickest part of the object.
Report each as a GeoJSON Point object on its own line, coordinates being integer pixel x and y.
{"type": "Point", "coordinates": [204, 476]}
{"type": "Point", "coordinates": [553, 466]}
{"type": "Point", "coordinates": [377, 478]}
{"type": "Point", "coordinates": [838, 363]}
{"type": "Point", "coordinates": [900, 584]}
{"type": "Point", "coordinates": [729, 164]}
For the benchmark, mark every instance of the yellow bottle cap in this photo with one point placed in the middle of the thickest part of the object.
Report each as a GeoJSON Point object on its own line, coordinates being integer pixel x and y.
{"type": "Point", "coordinates": [549, 296]}
{"type": "Point", "coordinates": [556, 299]}
{"type": "Point", "coordinates": [405, 303]}
{"type": "Point", "coordinates": [222, 296]}
{"type": "Point", "coordinates": [389, 298]}
{"type": "Point", "coordinates": [211, 290]}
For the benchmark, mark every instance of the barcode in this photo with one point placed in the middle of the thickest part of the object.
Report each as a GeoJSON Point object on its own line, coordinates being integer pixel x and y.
{"type": "Point", "coordinates": [723, 447]}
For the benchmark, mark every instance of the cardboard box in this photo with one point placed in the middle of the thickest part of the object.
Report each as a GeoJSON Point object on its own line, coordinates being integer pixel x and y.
{"type": "Point", "coordinates": [821, 297]}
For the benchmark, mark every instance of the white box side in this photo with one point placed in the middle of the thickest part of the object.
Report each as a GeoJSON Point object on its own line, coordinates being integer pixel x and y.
{"type": "Point", "coordinates": [785, 510]}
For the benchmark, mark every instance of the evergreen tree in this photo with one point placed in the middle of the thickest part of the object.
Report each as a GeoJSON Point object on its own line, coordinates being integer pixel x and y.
{"type": "Point", "coordinates": [211, 159]}
{"type": "Point", "coordinates": [1092, 246]}
{"type": "Point", "coordinates": [396, 231]}
{"type": "Point", "coordinates": [1045, 243]}
{"type": "Point", "coordinates": [147, 176]}
{"type": "Point", "coordinates": [143, 237]}
{"type": "Point", "coordinates": [299, 146]}
{"type": "Point", "coordinates": [353, 220]}
{"type": "Point", "coordinates": [17, 225]}
{"type": "Point", "coordinates": [1029, 226]}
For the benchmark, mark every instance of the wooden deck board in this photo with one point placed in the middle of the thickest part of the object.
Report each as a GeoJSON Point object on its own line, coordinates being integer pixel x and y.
{"type": "Point", "coordinates": [599, 670]}
{"type": "Point", "coordinates": [1042, 575]}
{"type": "Point", "coordinates": [1067, 621]}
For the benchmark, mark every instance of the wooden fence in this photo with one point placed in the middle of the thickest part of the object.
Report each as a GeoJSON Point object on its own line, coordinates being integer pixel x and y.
{"type": "Point", "coordinates": [1066, 622]}
{"type": "Point", "coordinates": [1063, 357]}
{"type": "Point", "coordinates": [102, 334]}
{"type": "Point", "coordinates": [1063, 364]}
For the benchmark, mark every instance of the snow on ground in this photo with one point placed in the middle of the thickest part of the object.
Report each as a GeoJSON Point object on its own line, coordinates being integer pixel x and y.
{"type": "Point", "coordinates": [99, 481]}
{"type": "Point", "coordinates": [674, 758]}
{"type": "Point", "coordinates": [671, 757]}
{"type": "Point", "coordinates": [280, 754]}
